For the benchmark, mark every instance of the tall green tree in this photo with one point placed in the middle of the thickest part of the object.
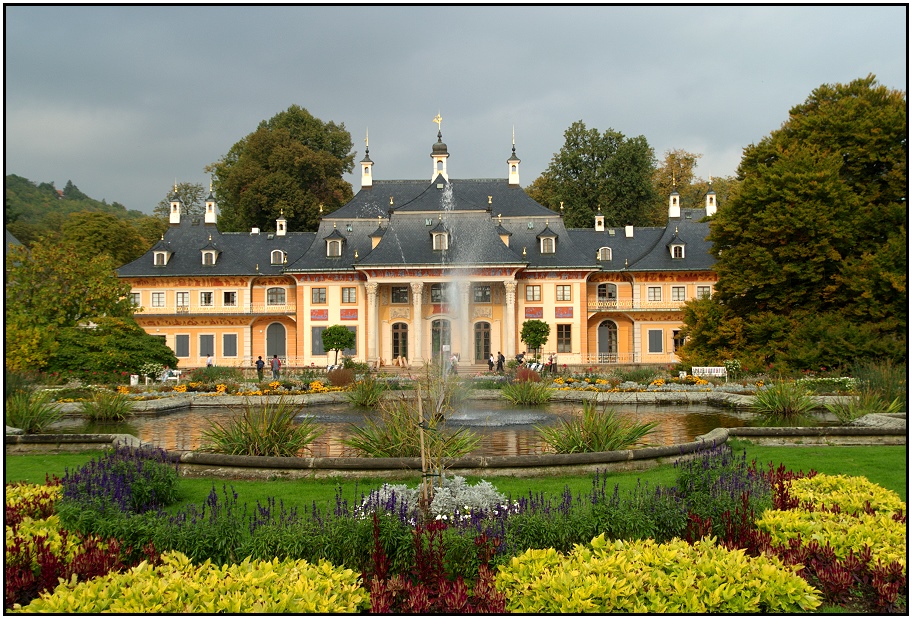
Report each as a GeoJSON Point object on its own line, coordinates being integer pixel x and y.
{"type": "Point", "coordinates": [811, 270]}
{"type": "Point", "coordinates": [599, 171]}
{"type": "Point", "coordinates": [291, 165]}
{"type": "Point", "coordinates": [193, 196]}
{"type": "Point", "coordinates": [95, 233]}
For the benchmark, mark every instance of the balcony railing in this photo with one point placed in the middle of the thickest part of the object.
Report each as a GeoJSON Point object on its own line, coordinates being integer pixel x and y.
{"type": "Point", "coordinates": [236, 310]}
{"type": "Point", "coordinates": [612, 305]}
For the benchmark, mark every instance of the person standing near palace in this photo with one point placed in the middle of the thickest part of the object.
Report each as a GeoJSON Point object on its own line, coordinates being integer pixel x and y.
{"type": "Point", "coordinates": [275, 364]}
{"type": "Point", "coordinates": [260, 364]}
{"type": "Point", "coordinates": [500, 362]}
{"type": "Point", "coordinates": [490, 362]}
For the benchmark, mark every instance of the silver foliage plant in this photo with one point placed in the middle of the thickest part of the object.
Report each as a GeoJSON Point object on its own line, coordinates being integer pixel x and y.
{"type": "Point", "coordinates": [452, 499]}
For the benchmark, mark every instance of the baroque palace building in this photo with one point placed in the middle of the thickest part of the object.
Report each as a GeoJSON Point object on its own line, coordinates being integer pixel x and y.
{"type": "Point", "coordinates": [420, 270]}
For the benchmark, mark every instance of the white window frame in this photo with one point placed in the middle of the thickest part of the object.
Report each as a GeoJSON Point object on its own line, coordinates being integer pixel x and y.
{"type": "Point", "coordinates": [605, 253]}
{"type": "Point", "coordinates": [184, 296]}
{"type": "Point", "coordinates": [563, 292]}
{"type": "Point", "coordinates": [203, 302]}
{"type": "Point", "coordinates": [653, 293]}
{"type": "Point", "coordinates": [158, 299]}
{"type": "Point", "coordinates": [441, 242]}
{"type": "Point", "coordinates": [277, 256]}
{"type": "Point", "coordinates": [226, 303]}
{"type": "Point", "coordinates": [351, 292]}
{"type": "Point", "coordinates": [318, 295]}
{"type": "Point", "coordinates": [548, 245]}
{"type": "Point", "coordinates": [160, 258]}
{"type": "Point", "coordinates": [533, 292]}
{"type": "Point", "coordinates": [678, 293]}
{"type": "Point", "coordinates": [677, 251]}
{"type": "Point", "coordinates": [334, 248]}
{"type": "Point", "coordinates": [135, 299]}
{"type": "Point", "coordinates": [209, 258]}
{"type": "Point", "coordinates": [275, 301]}
{"type": "Point", "coordinates": [704, 292]}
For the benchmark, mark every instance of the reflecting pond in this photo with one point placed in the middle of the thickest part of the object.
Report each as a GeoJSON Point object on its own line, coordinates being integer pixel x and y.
{"type": "Point", "coordinates": [504, 429]}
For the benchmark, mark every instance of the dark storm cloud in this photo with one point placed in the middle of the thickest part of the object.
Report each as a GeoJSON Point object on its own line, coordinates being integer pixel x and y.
{"type": "Point", "coordinates": [125, 100]}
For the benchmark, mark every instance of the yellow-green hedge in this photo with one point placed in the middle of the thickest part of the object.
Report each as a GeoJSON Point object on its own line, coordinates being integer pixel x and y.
{"type": "Point", "coordinates": [850, 493]}
{"type": "Point", "coordinates": [49, 528]}
{"type": "Point", "coordinates": [178, 586]}
{"type": "Point", "coordinates": [645, 577]}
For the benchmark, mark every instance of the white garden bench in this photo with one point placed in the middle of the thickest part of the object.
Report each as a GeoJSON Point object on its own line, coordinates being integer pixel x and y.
{"type": "Point", "coordinates": [174, 375]}
{"type": "Point", "coordinates": [718, 371]}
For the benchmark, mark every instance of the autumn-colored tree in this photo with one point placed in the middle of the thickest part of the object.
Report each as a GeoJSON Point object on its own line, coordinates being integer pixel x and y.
{"type": "Point", "coordinates": [52, 287]}
{"type": "Point", "coordinates": [811, 259]}
{"type": "Point", "coordinates": [96, 233]}
{"type": "Point", "coordinates": [290, 166]}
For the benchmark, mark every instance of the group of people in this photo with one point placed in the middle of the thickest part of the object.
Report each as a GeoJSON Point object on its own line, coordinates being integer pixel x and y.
{"type": "Point", "coordinates": [274, 364]}
{"type": "Point", "coordinates": [498, 362]}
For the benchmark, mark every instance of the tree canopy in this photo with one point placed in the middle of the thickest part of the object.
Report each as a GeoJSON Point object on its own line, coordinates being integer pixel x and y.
{"type": "Point", "coordinates": [53, 293]}
{"type": "Point", "coordinates": [193, 196]}
{"type": "Point", "coordinates": [811, 247]}
{"type": "Point", "coordinates": [92, 233]}
{"type": "Point", "coordinates": [535, 333]}
{"type": "Point", "coordinates": [337, 338]}
{"type": "Point", "coordinates": [600, 171]}
{"type": "Point", "coordinates": [291, 165]}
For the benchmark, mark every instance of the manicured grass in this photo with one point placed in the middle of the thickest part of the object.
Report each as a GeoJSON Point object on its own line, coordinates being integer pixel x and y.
{"type": "Point", "coordinates": [884, 465]}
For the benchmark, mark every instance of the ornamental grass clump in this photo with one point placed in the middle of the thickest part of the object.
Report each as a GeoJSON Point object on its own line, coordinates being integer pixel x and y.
{"type": "Point", "coordinates": [527, 392]}
{"type": "Point", "coordinates": [366, 393]}
{"type": "Point", "coordinates": [782, 401]}
{"type": "Point", "coordinates": [107, 406]}
{"type": "Point", "coordinates": [267, 428]}
{"type": "Point", "coordinates": [593, 430]}
{"type": "Point", "coordinates": [31, 411]}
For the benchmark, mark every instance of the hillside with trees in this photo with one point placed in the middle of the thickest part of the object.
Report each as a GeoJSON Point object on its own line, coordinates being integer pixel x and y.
{"type": "Point", "coordinates": [33, 211]}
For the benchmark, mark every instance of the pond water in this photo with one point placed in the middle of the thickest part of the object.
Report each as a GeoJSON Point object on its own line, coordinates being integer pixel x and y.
{"type": "Point", "coordinates": [503, 429]}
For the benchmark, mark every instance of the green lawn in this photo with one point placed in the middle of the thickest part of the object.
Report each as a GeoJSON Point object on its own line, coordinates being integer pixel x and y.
{"type": "Point", "coordinates": [884, 465]}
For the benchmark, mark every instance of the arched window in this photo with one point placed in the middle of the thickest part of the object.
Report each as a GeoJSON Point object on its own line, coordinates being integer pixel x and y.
{"type": "Point", "coordinates": [161, 259]}
{"type": "Point", "coordinates": [605, 253]}
{"type": "Point", "coordinates": [677, 251]}
{"type": "Point", "coordinates": [334, 248]}
{"type": "Point", "coordinates": [277, 256]}
{"type": "Point", "coordinates": [607, 292]}
{"type": "Point", "coordinates": [440, 336]}
{"type": "Point", "coordinates": [275, 296]}
{"type": "Point", "coordinates": [547, 245]}
{"type": "Point", "coordinates": [440, 241]}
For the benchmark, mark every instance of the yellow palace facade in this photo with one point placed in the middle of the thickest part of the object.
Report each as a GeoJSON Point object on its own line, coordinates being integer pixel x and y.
{"type": "Point", "coordinates": [421, 270]}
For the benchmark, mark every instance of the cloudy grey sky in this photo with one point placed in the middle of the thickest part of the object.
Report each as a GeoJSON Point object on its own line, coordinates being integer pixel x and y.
{"type": "Point", "coordinates": [124, 100]}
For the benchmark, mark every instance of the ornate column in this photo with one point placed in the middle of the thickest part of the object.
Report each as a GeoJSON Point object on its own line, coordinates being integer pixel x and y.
{"type": "Point", "coordinates": [510, 320]}
{"type": "Point", "coordinates": [372, 324]}
{"type": "Point", "coordinates": [465, 331]}
{"type": "Point", "coordinates": [417, 322]}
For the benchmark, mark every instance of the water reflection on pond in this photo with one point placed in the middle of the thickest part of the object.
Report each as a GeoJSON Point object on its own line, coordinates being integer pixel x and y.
{"type": "Point", "coordinates": [503, 428]}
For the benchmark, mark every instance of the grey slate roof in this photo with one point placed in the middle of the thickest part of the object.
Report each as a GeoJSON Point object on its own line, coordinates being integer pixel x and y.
{"type": "Point", "coordinates": [240, 252]}
{"type": "Point", "coordinates": [403, 236]}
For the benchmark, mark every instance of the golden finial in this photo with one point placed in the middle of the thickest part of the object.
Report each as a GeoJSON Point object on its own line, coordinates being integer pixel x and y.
{"type": "Point", "coordinates": [163, 237]}
{"type": "Point", "coordinates": [321, 209]}
{"type": "Point", "coordinates": [489, 199]}
{"type": "Point", "coordinates": [356, 255]}
{"type": "Point", "coordinates": [499, 218]}
{"type": "Point", "coordinates": [366, 145]}
{"type": "Point", "coordinates": [676, 230]}
{"type": "Point", "coordinates": [210, 184]}
{"type": "Point", "coordinates": [524, 252]}
{"type": "Point", "coordinates": [438, 119]}
{"type": "Point", "coordinates": [210, 238]}
{"type": "Point", "coordinates": [258, 267]}
{"type": "Point", "coordinates": [284, 258]}
{"type": "Point", "coordinates": [334, 225]}
{"type": "Point", "coordinates": [391, 200]}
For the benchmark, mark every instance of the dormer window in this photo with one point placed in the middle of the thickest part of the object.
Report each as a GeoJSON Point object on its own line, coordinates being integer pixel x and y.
{"type": "Point", "coordinates": [440, 241]}
{"type": "Point", "coordinates": [677, 251]}
{"type": "Point", "coordinates": [277, 256]}
{"type": "Point", "coordinates": [161, 258]}
{"type": "Point", "coordinates": [604, 253]}
{"type": "Point", "coordinates": [334, 248]}
{"type": "Point", "coordinates": [209, 257]}
{"type": "Point", "coordinates": [547, 245]}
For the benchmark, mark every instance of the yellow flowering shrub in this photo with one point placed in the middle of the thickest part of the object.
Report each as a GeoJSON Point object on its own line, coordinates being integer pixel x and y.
{"type": "Point", "coordinates": [18, 494]}
{"type": "Point", "coordinates": [177, 586]}
{"type": "Point", "coordinates": [849, 492]}
{"type": "Point", "coordinates": [645, 577]}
